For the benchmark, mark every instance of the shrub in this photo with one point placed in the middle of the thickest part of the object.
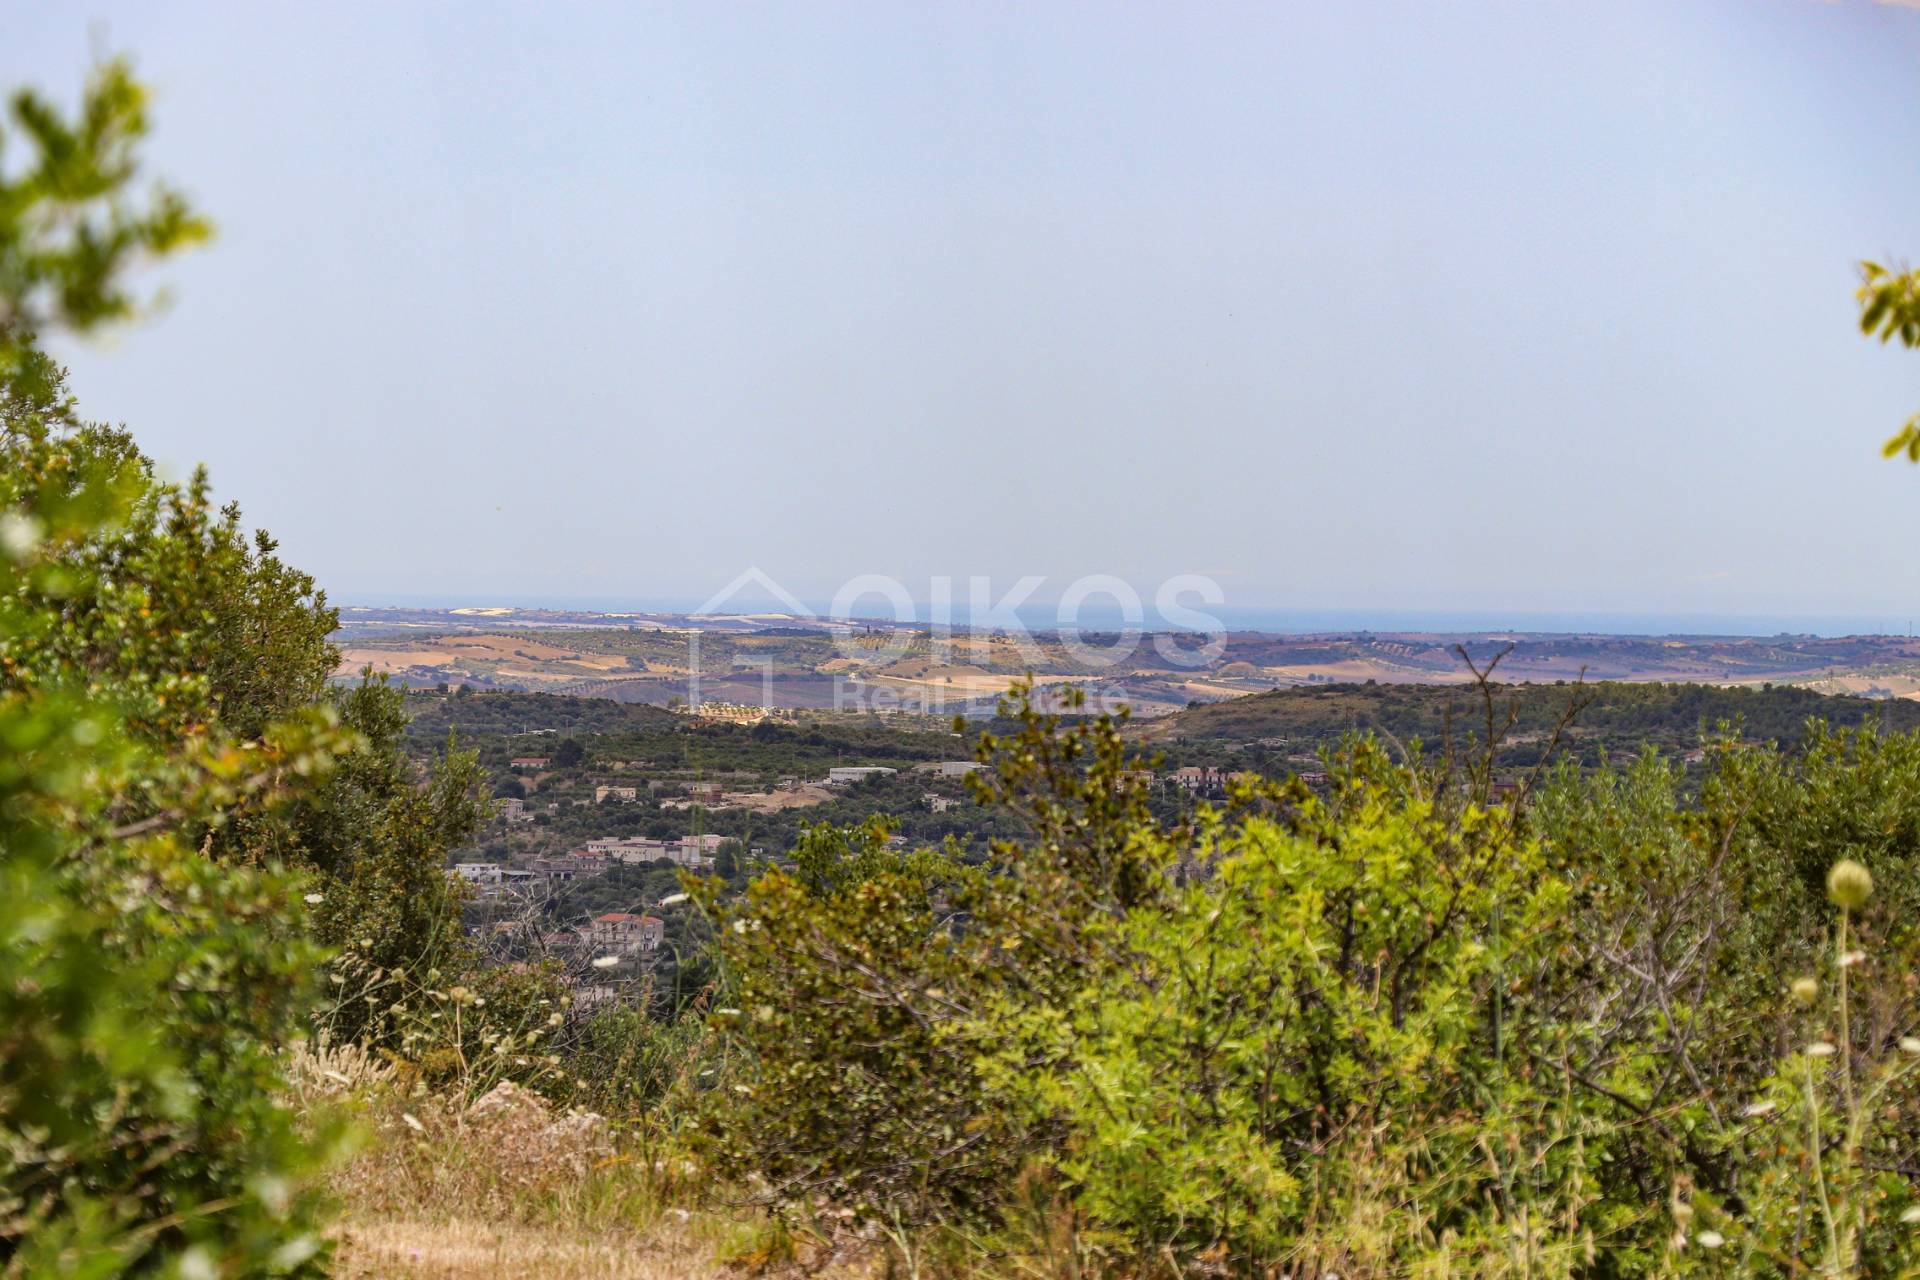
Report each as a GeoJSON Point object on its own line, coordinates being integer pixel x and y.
{"type": "Point", "coordinates": [843, 1081]}
{"type": "Point", "coordinates": [144, 989]}
{"type": "Point", "coordinates": [623, 1061]}
{"type": "Point", "coordinates": [1391, 1030]}
{"type": "Point", "coordinates": [866, 994]}
{"type": "Point", "coordinates": [1334, 977]}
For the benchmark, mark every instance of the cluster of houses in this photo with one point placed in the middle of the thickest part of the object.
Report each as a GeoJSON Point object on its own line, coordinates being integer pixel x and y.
{"type": "Point", "coordinates": [696, 853]}
{"type": "Point", "coordinates": [1198, 780]}
{"type": "Point", "coordinates": [712, 795]}
{"type": "Point", "coordinates": [705, 712]}
{"type": "Point", "coordinates": [1203, 781]}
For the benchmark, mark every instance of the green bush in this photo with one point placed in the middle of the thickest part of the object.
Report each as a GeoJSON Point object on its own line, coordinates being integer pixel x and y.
{"type": "Point", "coordinates": [1390, 1030]}
{"type": "Point", "coordinates": [146, 991]}
{"type": "Point", "coordinates": [623, 1061]}
{"type": "Point", "coordinates": [843, 1082]}
{"type": "Point", "coordinates": [1331, 977]}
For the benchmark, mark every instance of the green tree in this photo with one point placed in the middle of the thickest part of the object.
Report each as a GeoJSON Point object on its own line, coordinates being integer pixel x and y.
{"type": "Point", "coordinates": [187, 810]}
{"type": "Point", "coordinates": [146, 991]}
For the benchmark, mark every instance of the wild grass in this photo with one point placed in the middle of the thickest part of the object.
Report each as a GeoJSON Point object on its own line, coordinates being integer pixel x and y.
{"type": "Point", "coordinates": [442, 1184]}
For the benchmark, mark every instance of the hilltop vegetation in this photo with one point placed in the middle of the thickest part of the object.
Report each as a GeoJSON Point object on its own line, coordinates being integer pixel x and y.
{"type": "Point", "coordinates": [1274, 735]}
{"type": "Point", "coordinates": [1616, 719]}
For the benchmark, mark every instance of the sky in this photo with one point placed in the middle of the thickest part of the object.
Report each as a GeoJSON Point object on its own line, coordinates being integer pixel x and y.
{"type": "Point", "coordinates": [1417, 310]}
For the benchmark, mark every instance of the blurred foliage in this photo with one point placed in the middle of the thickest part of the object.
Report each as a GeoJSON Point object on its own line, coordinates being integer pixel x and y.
{"type": "Point", "coordinates": [69, 225]}
{"type": "Point", "coordinates": [1889, 310]}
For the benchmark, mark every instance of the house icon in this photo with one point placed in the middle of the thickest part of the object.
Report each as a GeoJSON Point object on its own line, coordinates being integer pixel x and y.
{"type": "Point", "coordinates": [764, 587]}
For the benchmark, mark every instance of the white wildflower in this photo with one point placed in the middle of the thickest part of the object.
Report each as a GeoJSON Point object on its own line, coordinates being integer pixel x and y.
{"type": "Point", "coordinates": [1910, 1214]}
{"type": "Point", "coordinates": [314, 899]}
{"type": "Point", "coordinates": [1710, 1239]}
{"type": "Point", "coordinates": [19, 535]}
{"type": "Point", "coordinates": [1910, 1044]}
{"type": "Point", "coordinates": [1820, 1049]}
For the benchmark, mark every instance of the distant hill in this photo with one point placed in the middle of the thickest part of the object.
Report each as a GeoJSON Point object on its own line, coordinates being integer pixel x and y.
{"type": "Point", "coordinates": [1622, 718]}
{"type": "Point", "coordinates": [803, 665]}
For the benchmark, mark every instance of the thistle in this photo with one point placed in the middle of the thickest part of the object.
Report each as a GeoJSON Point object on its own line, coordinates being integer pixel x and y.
{"type": "Point", "coordinates": [1849, 885]}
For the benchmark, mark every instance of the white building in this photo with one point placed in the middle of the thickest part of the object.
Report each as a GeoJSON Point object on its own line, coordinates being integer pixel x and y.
{"type": "Point", "coordinates": [847, 774]}
{"type": "Point", "coordinates": [632, 848]}
{"type": "Point", "coordinates": [698, 851]}
{"type": "Point", "coordinates": [621, 933]}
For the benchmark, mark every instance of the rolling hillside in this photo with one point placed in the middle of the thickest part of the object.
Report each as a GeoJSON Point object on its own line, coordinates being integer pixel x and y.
{"type": "Point", "coordinates": [1621, 717]}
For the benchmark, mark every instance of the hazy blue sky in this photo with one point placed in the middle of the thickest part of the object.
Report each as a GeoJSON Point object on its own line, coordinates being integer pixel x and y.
{"type": "Point", "coordinates": [1524, 306]}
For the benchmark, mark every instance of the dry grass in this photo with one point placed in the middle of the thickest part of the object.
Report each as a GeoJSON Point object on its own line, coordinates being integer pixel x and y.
{"type": "Point", "coordinates": [458, 1248]}
{"type": "Point", "coordinates": [507, 1186]}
